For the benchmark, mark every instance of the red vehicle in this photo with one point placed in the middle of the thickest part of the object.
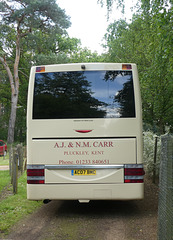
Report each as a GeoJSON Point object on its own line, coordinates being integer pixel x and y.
{"type": "Point", "coordinates": [3, 148]}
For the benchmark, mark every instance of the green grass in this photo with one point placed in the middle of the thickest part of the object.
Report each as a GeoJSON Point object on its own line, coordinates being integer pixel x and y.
{"type": "Point", "coordinates": [15, 207]}
{"type": "Point", "coordinates": [4, 179]}
{"type": "Point", "coordinates": [4, 160]}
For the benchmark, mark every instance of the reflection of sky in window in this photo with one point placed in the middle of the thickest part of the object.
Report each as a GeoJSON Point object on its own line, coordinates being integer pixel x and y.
{"type": "Point", "coordinates": [102, 90]}
{"type": "Point", "coordinates": [105, 91]}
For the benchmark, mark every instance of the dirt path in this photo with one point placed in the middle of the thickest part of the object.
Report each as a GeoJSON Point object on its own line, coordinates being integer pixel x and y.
{"type": "Point", "coordinates": [98, 220]}
{"type": "Point", "coordinates": [4, 167]}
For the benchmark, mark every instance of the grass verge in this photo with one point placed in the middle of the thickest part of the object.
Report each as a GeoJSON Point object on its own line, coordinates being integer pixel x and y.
{"type": "Point", "coordinates": [15, 207]}
{"type": "Point", "coordinates": [4, 179]}
{"type": "Point", "coordinates": [4, 160]}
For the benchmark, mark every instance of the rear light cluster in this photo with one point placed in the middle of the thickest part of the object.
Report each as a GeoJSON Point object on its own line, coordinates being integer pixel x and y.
{"type": "Point", "coordinates": [35, 174]}
{"type": "Point", "coordinates": [134, 173]}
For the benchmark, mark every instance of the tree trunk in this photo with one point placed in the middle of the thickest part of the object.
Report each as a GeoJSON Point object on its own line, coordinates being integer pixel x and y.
{"type": "Point", "coordinates": [14, 83]}
{"type": "Point", "coordinates": [14, 92]}
{"type": "Point", "coordinates": [12, 120]}
{"type": "Point", "coordinates": [14, 98]}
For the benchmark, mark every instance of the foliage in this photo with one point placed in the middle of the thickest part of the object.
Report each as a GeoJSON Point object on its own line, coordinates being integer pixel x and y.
{"type": "Point", "coordinates": [60, 51]}
{"type": "Point", "coordinates": [145, 5]}
{"type": "Point", "coordinates": [85, 55]}
{"type": "Point", "coordinates": [34, 14]}
{"type": "Point", "coordinates": [147, 41]}
{"type": "Point", "coordinates": [148, 153]}
{"type": "Point", "coordinates": [109, 4]}
{"type": "Point", "coordinates": [20, 22]}
{"type": "Point", "coordinates": [4, 104]}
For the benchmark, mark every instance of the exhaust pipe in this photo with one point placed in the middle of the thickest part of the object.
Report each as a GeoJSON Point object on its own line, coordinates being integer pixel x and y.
{"type": "Point", "coordinates": [46, 201]}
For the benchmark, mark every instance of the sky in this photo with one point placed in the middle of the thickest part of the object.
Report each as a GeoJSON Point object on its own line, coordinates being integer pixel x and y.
{"type": "Point", "coordinates": [89, 20]}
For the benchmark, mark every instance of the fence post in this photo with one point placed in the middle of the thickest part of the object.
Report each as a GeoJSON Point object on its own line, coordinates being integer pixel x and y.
{"type": "Point", "coordinates": [15, 170]}
{"type": "Point", "coordinates": [165, 211]}
{"type": "Point", "coordinates": [10, 160]}
{"type": "Point", "coordinates": [20, 155]}
{"type": "Point", "coordinates": [3, 152]}
{"type": "Point", "coordinates": [155, 157]}
{"type": "Point", "coordinates": [24, 158]}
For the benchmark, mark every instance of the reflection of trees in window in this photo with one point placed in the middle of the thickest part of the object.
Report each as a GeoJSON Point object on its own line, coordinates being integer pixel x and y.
{"type": "Point", "coordinates": [111, 75]}
{"type": "Point", "coordinates": [64, 95]}
{"type": "Point", "coordinates": [125, 96]}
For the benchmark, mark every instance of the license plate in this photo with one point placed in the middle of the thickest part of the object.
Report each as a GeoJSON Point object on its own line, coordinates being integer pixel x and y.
{"type": "Point", "coordinates": [83, 172]}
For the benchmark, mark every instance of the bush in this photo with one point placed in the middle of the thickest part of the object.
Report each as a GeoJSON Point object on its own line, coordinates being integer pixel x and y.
{"type": "Point", "coordinates": [148, 154]}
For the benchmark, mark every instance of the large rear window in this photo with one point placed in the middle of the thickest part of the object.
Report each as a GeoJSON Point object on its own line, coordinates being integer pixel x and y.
{"type": "Point", "coordinates": [84, 94]}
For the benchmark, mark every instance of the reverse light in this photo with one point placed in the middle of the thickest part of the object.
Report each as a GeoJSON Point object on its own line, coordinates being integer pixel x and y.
{"type": "Point", "coordinates": [134, 173]}
{"type": "Point", "coordinates": [35, 174]}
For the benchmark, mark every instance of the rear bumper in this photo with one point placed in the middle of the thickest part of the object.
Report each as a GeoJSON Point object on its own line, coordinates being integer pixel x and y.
{"type": "Point", "coordinates": [128, 191]}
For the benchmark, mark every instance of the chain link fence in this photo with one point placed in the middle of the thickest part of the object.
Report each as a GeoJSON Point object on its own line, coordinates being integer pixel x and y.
{"type": "Point", "coordinates": [165, 212]}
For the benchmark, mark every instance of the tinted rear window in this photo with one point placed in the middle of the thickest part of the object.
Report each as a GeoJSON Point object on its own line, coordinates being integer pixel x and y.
{"type": "Point", "coordinates": [84, 94]}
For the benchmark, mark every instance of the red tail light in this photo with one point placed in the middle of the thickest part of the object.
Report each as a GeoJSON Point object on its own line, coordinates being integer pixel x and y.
{"type": "Point", "coordinates": [134, 173]}
{"type": "Point", "coordinates": [35, 174]}
{"type": "Point", "coordinates": [133, 180]}
{"type": "Point", "coordinates": [35, 181]}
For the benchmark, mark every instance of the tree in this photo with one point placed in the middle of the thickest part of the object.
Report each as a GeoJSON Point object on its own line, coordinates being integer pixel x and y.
{"type": "Point", "coordinates": [60, 49]}
{"type": "Point", "coordinates": [147, 41]}
{"type": "Point", "coordinates": [4, 103]}
{"type": "Point", "coordinates": [85, 55]}
{"type": "Point", "coordinates": [109, 4]}
{"type": "Point", "coordinates": [23, 17]}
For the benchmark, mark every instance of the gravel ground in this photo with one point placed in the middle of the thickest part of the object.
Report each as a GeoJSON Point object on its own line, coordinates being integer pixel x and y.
{"type": "Point", "coordinates": [97, 220]}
